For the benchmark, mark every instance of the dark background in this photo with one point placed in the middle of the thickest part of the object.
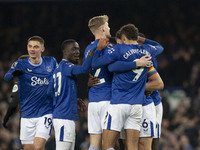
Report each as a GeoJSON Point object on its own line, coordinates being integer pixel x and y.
{"type": "Point", "coordinates": [172, 23]}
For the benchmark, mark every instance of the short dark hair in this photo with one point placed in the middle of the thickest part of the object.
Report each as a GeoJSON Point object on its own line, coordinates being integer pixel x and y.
{"type": "Point", "coordinates": [37, 38]}
{"type": "Point", "coordinates": [142, 35]}
{"type": "Point", "coordinates": [117, 35]}
{"type": "Point", "coordinates": [130, 31]}
{"type": "Point", "coordinates": [66, 43]}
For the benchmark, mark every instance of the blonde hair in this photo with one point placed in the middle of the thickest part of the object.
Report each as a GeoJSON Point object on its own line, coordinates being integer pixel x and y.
{"type": "Point", "coordinates": [97, 21]}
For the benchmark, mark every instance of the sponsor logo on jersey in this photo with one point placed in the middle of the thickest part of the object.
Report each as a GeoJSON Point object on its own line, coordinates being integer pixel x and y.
{"type": "Point", "coordinates": [49, 69]}
{"type": "Point", "coordinates": [37, 81]}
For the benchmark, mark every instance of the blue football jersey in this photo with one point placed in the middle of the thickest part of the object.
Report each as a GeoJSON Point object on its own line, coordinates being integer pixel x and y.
{"type": "Point", "coordinates": [65, 92]}
{"type": "Point", "coordinates": [101, 92]}
{"type": "Point", "coordinates": [64, 88]}
{"type": "Point", "coordinates": [33, 84]}
{"type": "Point", "coordinates": [128, 87]}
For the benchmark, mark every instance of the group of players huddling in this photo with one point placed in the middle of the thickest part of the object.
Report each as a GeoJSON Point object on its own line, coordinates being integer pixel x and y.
{"type": "Point", "coordinates": [124, 104]}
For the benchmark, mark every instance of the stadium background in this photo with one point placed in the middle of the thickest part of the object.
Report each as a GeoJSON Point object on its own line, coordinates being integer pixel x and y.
{"type": "Point", "coordinates": [173, 23]}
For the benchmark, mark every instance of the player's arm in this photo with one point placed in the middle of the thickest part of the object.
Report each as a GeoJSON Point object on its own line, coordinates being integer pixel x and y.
{"type": "Point", "coordinates": [12, 106]}
{"type": "Point", "coordinates": [92, 47]}
{"type": "Point", "coordinates": [159, 48]}
{"type": "Point", "coordinates": [81, 105]}
{"type": "Point", "coordinates": [109, 57]}
{"type": "Point", "coordinates": [84, 68]}
{"type": "Point", "coordinates": [72, 69]}
{"type": "Point", "coordinates": [100, 61]}
{"type": "Point", "coordinates": [122, 66]}
{"type": "Point", "coordinates": [15, 71]}
{"type": "Point", "coordinates": [155, 81]}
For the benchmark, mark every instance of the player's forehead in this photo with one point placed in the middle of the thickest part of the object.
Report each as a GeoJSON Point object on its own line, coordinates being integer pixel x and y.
{"type": "Point", "coordinates": [74, 45]}
{"type": "Point", "coordinates": [34, 43]}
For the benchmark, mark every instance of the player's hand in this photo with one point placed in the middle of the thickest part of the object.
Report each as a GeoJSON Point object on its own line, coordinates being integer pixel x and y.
{"type": "Point", "coordinates": [81, 105]}
{"type": "Point", "coordinates": [148, 93]}
{"type": "Point", "coordinates": [102, 43]}
{"type": "Point", "coordinates": [141, 40]}
{"type": "Point", "coordinates": [93, 81]}
{"type": "Point", "coordinates": [144, 61]}
{"type": "Point", "coordinates": [17, 73]}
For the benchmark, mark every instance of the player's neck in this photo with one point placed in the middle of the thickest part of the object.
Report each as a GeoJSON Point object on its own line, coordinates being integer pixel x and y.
{"type": "Point", "coordinates": [36, 60]}
{"type": "Point", "coordinates": [99, 36]}
{"type": "Point", "coordinates": [130, 42]}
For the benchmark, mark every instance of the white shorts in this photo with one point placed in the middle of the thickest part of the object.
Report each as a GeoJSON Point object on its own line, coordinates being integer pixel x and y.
{"type": "Point", "coordinates": [148, 121]}
{"type": "Point", "coordinates": [96, 116]}
{"type": "Point", "coordinates": [64, 130]}
{"type": "Point", "coordinates": [123, 116]}
{"type": "Point", "coordinates": [159, 115]}
{"type": "Point", "coordinates": [35, 127]}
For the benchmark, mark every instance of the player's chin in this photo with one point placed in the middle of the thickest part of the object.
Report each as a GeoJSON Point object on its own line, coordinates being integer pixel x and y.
{"type": "Point", "coordinates": [108, 36]}
{"type": "Point", "coordinates": [32, 56]}
{"type": "Point", "coordinates": [75, 61]}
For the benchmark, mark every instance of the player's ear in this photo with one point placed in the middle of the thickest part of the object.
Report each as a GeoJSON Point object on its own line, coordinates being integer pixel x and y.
{"type": "Point", "coordinates": [43, 49]}
{"type": "Point", "coordinates": [123, 37]}
{"type": "Point", "coordinates": [102, 28]}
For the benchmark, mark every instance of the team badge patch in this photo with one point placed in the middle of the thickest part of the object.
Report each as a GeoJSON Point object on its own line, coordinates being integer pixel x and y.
{"type": "Point", "coordinates": [49, 69]}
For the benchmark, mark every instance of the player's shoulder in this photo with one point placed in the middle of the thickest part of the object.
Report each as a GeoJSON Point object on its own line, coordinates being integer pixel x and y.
{"type": "Point", "coordinates": [49, 59]}
{"type": "Point", "coordinates": [150, 49]}
{"type": "Point", "coordinates": [92, 44]}
{"type": "Point", "coordinates": [110, 45]}
{"type": "Point", "coordinates": [112, 48]}
{"type": "Point", "coordinates": [147, 46]}
{"type": "Point", "coordinates": [119, 46]}
{"type": "Point", "coordinates": [17, 63]}
{"type": "Point", "coordinates": [65, 63]}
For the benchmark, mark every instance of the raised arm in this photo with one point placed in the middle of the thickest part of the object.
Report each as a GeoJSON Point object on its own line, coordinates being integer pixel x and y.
{"type": "Point", "coordinates": [122, 66]}
{"type": "Point", "coordinates": [158, 47]}
{"type": "Point", "coordinates": [84, 68]}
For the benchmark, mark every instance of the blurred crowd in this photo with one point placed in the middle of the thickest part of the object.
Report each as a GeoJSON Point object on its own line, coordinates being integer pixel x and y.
{"type": "Point", "coordinates": [173, 24]}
